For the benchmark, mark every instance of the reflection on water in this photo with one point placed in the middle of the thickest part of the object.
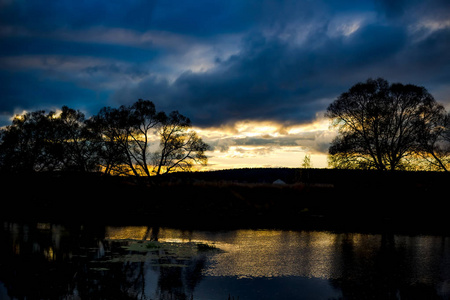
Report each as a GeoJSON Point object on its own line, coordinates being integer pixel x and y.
{"type": "Point", "coordinates": [254, 253]}
{"type": "Point", "coordinates": [277, 253]}
{"type": "Point", "coordinates": [50, 261]}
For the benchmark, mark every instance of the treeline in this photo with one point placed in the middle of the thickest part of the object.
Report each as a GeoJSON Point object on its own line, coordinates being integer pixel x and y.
{"type": "Point", "coordinates": [129, 140]}
{"type": "Point", "coordinates": [380, 126]}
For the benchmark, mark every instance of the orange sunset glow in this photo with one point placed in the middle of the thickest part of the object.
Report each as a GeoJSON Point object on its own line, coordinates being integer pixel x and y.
{"type": "Point", "coordinates": [250, 144]}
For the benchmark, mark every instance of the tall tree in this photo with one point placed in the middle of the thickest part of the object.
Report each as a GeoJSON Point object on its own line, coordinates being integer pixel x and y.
{"type": "Point", "coordinates": [180, 147]}
{"type": "Point", "coordinates": [40, 141]}
{"type": "Point", "coordinates": [377, 124]}
{"type": "Point", "coordinates": [111, 128]}
{"type": "Point", "coordinates": [76, 140]}
{"type": "Point", "coordinates": [434, 137]}
{"type": "Point", "coordinates": [29, 143]}
{"type": "Point", "coordinates": [143, 122]}
{"type": "Point", "coordinates": [139, 140]}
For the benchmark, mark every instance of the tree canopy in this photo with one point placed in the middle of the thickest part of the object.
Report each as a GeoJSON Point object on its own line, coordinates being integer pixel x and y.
{"type": "Point", "coordinates": [388, 127]}
{"type": "Point", "coordinates": [129, 140]}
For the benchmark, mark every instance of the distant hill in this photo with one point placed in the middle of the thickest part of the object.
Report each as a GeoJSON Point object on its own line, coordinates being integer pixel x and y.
{"type": "Point", "coordinates": [326, 176]}
{"type": "Point", "coordinates": [244, 175]}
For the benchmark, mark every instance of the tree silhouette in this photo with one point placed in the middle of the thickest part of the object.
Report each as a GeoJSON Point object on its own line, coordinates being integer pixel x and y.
{"type": "Point", "coordinates": [434, 136]}
{"type": "Point", "coordinates": [179, 146]}
{"type": "Point", "coordinates": [76, 141]}
{"type": "Point", "coordinates": [142, 119]}
{"type": "Point", "coordinates": [126, 134]}
{"type": "Point", "coordinates": [29, 144]}
{"type": "Point", "coordinates": [307, 162]}
{"type": "Point", "coordinates": [139, 140]}
{"type": "Point", "coordinates": [129, 140]}
{"type": "Point", "coordinates": [40, 141]}
{"type": "Point", "coordinates": [381, 125]}
{"type": "Point", "coordinates": [110, 139]}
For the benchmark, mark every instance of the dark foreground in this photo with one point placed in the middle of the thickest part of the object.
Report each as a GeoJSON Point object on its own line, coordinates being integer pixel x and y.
{"type": "Point", "coordinates": [52, 261]}
{"type": "Point", "coordinates": [311, 199]}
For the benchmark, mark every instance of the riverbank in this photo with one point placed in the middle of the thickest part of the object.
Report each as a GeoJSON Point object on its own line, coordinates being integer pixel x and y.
{"type": "Point", "coordinates": [320, 199]}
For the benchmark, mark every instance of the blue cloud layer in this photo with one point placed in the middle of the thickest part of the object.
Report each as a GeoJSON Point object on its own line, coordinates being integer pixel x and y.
{"type": "Point", "coordinates": [217, 61]}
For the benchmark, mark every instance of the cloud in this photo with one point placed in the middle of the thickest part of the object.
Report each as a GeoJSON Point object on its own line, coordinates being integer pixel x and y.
{"type": "Point", "coordinates": [77, 14]}
{"type": "Point", "coordinates": [285, 78]}
{"type": "Point", "coordinates": [220, 62]}
{"type": "Point", "coordinates": [254, 76]}
{"type": "Point", "coordinates": [87, 72]}
{"type": "Point", "coordinates": [251, 138]}
{"type": "Point", "coordinates": [149, 39]}
{"type": "Point", "coordinates": [271, 79]}
{"type": "Point", "coordinates": [407, 11]}
{"type": "Point", "coordinates": [40, 93]}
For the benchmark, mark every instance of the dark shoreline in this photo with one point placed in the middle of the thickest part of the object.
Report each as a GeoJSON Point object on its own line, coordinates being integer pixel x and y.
{"type": "Point", "coordinates": [332, 200]}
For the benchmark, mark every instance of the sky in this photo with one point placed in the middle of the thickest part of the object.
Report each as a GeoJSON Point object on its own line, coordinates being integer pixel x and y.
{"type": "Point", "coordinates": [254, 76]}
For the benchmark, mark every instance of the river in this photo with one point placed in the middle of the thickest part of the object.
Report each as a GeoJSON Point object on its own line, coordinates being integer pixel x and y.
{"type": "Point", "coordinates": [53, 261]}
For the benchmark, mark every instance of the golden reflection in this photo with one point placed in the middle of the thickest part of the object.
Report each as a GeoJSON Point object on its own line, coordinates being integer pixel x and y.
{"type": "Point", "coordinates": [49, 254]}
{"type": "Point", "coordinates": [255, 253]}
{"type": "Point", "coordinates": [275, 254]}
{"type": "Point", "coordinates": [126, 233]}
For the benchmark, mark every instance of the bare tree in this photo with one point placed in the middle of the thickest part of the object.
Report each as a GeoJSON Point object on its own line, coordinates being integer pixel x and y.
{"type": "Point", "coordinates": [378, 124]}
{"type": "Point", "coordinates": [141, 141]}
{"type": "Point", "coordinates": [180, 147]}
{"type": "Point", "coordinates": [143, 122]}
{"type": "Point", "coordinates": [111, 129]}
{"type": "Point", "coordinates": [434, 137]}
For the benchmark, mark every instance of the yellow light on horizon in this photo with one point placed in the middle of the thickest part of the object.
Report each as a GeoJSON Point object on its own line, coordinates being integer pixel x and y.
{"type": "Point", "coordinates": [233, 152]}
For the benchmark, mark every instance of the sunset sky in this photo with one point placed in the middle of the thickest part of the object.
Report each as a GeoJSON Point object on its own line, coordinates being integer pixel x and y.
{"type": "Point", "coordinates": [254, 76]}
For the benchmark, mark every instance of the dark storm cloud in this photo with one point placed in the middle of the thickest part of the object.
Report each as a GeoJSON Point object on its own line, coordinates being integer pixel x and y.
{"type": "Point", "coordinates": [271, 79]}
{"type": "Point", "coordinates": [217, 61]}
{"type": "Point", "coordinates": [200, 17]}
{"type": "Point", "coordinates": [274, 78]}
{"type": "Point", "coordinates": [48, 15]}
{"type": "Point", "coordinates": [408, 10]}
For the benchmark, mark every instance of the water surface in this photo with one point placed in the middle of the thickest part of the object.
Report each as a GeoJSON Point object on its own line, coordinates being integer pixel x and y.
{"type": "Point", "coordinates": [51, 261]}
